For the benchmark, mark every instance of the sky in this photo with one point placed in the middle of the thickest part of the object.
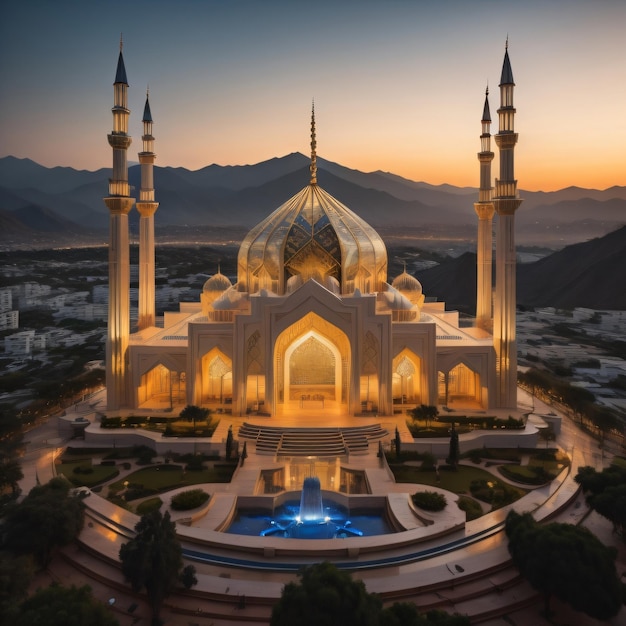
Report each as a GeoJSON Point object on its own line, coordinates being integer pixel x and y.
{"type": "Point", "coordinates": [398, 85]}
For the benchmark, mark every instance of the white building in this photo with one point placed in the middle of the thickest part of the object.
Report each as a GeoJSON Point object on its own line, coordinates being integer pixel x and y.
{"type": "Point", "coordinates": [313, 318]}
{"type": "Point", "coordinates": [24, 343]}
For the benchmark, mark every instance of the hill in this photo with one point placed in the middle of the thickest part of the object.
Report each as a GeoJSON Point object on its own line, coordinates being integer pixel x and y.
{"type": "Point", "coordinates": [588, 274]}
{"type": "Point", "coordinates": [241, 196]}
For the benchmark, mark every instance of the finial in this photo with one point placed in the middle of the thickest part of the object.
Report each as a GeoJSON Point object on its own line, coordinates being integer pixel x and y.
{"type": "Point", "coordinates": [147, 92]}
{"type": "Point", "coordinates": [506, 45]}
{"type": "Point", "coordinates": [121, 42]}
{"type": "Point", "coordinates": [313, 166]}
{"type": "Point", "coordinates": [487, 89]}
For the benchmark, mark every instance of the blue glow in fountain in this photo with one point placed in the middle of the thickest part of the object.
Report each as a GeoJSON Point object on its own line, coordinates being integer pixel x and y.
{"type": "Point", "coordinates": [310, 520]}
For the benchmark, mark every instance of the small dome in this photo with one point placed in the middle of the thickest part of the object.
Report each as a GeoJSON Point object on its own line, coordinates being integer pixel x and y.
{"type": "Point", "coordinates": [407, 283]}
{"type": "Point", "coordinates": [217, 283]}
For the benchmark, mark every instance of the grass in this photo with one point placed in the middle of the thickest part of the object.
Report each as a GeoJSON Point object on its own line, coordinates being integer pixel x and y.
{"type": "Point", "coordinates": [162, 478]}
{"type": "Point", "coordinates": [89, 476]}
{"type": "Point", "coordinates": [457, 482]}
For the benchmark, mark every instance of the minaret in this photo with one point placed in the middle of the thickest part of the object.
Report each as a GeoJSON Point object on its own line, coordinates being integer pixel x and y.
{"type": "Point", "coordinates": [506, 201]}
{"type": "Point", "coordinates": [119, 204]}
{"type": "Point", "coordinates": [147, 208]}
{"type": "Point", "coordinates": [484, 209]}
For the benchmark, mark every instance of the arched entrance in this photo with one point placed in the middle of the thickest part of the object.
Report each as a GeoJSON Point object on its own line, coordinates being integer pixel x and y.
{"type": "Point", "coordinates": [460, 387]}
{"type": "Point", "coordinates": [217, 378]}
{"type": "Point", "coordinates": [161, 388]}
{"type": "Point", "coordinates": [312, 366]}
{"type": "Point", "coordinates": [406, 378]}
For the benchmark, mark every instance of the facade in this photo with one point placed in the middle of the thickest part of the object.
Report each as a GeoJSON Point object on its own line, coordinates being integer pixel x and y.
{"type": "Point", "coordinates": [24, 343]}
{"type": "Point", "coordinates": [312, 320]}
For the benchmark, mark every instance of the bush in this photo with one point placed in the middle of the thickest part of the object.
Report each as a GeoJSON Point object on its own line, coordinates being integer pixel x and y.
{"type": "Point", "coordinates": [147, 506]}
{"type": "Point", "coordinates": [111, 422]}
{"type": "Point", "coordinates": [136, 492]}
{"type": "Point", "coordinates": [429, 500]}
{"type": "Point", "coordinates": [195, 464]}
{"type": "Point", "coordinates": [494, 492]}
{"type": "Point", "coordinates": [472, 508]}
{"type": "Point", "coordinates": [186, 500]}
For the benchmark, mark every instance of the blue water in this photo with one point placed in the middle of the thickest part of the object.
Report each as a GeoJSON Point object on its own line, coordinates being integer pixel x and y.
{"type": "Point", "coordinates": [338, 523]}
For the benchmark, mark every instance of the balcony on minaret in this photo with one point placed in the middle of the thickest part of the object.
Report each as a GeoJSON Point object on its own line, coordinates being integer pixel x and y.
{"type": "Point", "coordinates": [506, 189]}
{"type": "Point", "coordinates": [118, 188]}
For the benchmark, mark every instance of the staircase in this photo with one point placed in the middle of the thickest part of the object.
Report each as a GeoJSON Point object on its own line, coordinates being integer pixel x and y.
{"type": "Point", "coordinates": [277, 441]}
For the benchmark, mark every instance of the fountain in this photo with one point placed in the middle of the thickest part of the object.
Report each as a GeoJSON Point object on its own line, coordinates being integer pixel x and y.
{"type": "Point", "coordinates": [311, 519]}
{"type": "Point", "coordinates": [311, 507]}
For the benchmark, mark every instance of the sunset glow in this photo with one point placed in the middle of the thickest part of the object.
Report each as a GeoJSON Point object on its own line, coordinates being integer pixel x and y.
{"type": "Point", "coordinates": [398, 86]}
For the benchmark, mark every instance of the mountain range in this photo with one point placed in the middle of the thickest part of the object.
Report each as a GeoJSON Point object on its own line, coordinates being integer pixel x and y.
{"type": "Point", "coordinates": [42, 206]}
{"type": "Point", "coordinates": [586, 274]}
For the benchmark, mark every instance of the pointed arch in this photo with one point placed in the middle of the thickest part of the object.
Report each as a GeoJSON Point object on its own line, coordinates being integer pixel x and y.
{"type": "Point", "coordinates": [217, 378]}
{"type": "Point", "coordinates": [407, 378]}
{"type": "Point", "coordinates": [312, 360]}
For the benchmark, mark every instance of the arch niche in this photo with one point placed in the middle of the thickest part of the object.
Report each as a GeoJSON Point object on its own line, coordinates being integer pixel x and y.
{"type": "Point", "coordinates": [312, 364]}
{"type": "Point", "coordinates": [461, 387]}
{"type": "Point", "coordinates": [407, 378]}
{"type": "Point", "coordinates": [217, 378]}
{"type": "Point", "coordinates": [162, 385]}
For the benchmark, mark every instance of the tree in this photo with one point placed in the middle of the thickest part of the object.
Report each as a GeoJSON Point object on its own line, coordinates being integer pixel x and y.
{"type": "Point", "coordinates": [16, 574]}
{"type": "Point", "coordinates": [424, 412]}
{"type": "Point", "coordinates": [606, 493]}
{"type": "Point", "coordinates": [11, 446]}
{"type": "Point", "coordinates": [193, 413]}
{"type": "Point", "coordinates": [153, 559]}
{"type": "Point", "coordinates": [325, 595]}
{"type": "Point", "coordinates": [49, 517]}
{"type": "Point", "coordinates": [63, 606]}
{"type": "Point", "coordinates": [454, 451]}
{"type": "Point", "coordinates": [10, 475]}
{"type": "Point", "coordinates": [229, 443]}
{"type": "Point", "coordinates": [565, 561]}
{"type": "Point", "coordinates": [398, 444]}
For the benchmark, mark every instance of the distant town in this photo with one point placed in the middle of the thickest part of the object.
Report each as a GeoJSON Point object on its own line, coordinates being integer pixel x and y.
{"type": "Point", "coordinates": [53, 315]}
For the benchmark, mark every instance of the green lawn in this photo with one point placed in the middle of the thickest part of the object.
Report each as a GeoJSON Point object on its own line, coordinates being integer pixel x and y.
{"type": "Point", "coordinates": [457, 482]}
{"type": "Point", "coordinates": [88, 475]}
{"type": "Point", "coordinates": [165, 477]}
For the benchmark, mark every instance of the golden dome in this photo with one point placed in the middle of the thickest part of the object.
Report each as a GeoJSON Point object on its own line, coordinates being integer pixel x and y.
{"type": "Point", "coordinates": [407, 283]}
{"type": "Point", "coordinates": [313, 236]}
{"type": "Point", "coordinates": [217, 283]}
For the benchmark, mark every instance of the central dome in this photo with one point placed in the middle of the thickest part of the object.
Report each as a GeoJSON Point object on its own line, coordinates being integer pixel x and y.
{"type": "Point", "coordinates": [312, 236]}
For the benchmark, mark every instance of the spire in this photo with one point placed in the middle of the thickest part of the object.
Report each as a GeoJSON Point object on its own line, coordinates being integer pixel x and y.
{"type": "Point", "coordinates": [507, 72]}
{"type": "Point", "coordinates": [120, 74]}
{"type": "Point", "coordinates": [486, 112]}
{"type": "Point", "coordinates": [147, 115]}
{"type": "Point", "coordinates": [313, 166]}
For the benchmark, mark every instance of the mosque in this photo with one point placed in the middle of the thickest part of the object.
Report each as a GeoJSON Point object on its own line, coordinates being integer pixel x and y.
{"type": "Point", "coordinates": [313, 322]}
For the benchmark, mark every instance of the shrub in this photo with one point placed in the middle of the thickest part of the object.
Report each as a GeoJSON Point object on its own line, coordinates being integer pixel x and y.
{"type": "Point", "coordinates": [147, 506]}
{"type": "Point", "coordinates": [472, 508]}
{"type": "Point", "coordinates": [136, 492]}
{"type": "Point", "coordinates": [191, 499]}
{"type": "Point", "coordinates": [494, 492]}
{"type": "Point", "coordinates": [111, 422]}
{"type": "Point", "coordinates": [429, 500]}
{"type": "Point", "coordinates": [195, 464]}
